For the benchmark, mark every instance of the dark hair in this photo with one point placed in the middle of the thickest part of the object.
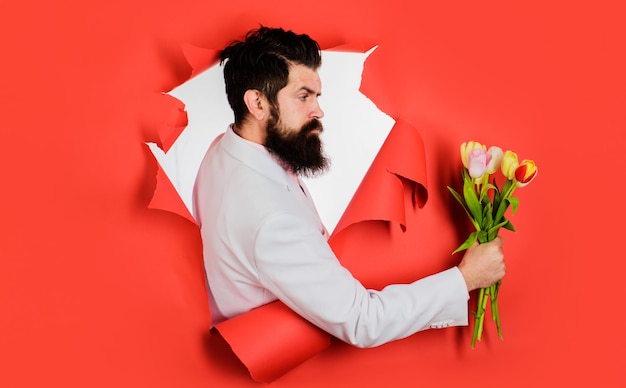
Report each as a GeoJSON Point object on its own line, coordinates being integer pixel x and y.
{"type": "Point", "coordinates": [261, 62]}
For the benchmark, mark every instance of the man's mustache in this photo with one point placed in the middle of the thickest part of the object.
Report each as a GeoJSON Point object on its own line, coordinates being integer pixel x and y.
{"type": "Point", "coordinates": [312, 125]}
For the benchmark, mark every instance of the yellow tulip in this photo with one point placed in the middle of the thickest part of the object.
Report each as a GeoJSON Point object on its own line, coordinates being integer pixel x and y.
{"type": "Point", "coordinates": [509, 164]}
{"type": "Point", "coordinates": [466, 150]}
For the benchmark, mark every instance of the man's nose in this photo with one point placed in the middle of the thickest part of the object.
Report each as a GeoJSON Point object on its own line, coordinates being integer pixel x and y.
{"type": "Point", "coordinates": [317, 112]}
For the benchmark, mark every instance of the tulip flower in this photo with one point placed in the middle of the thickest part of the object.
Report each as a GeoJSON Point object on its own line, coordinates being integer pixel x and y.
{"type": "Point", "coordinates": [525, 172]}
{"type": "Point", "coordinates": [509, 164]}
{"type": "Point", "coordinates": [496, 159]}
{"type": "Point", "coordinates": [466, 150]}
{"type": "Point", "coordinates": [478, 161]}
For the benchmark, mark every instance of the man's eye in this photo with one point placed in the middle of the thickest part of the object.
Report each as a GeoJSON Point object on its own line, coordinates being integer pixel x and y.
{"type": "Point", "coordinates": [303, 97]}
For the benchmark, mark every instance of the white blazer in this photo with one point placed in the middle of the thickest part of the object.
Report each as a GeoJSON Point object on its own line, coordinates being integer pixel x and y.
{"type": "Point", "coordinates": [263, 240]}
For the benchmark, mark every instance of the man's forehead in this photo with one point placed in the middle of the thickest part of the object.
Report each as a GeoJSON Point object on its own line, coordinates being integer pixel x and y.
{"type": "Point", "coordinates": [302, 77]}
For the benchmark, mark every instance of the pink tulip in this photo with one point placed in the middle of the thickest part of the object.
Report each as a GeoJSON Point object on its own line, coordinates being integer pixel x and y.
{"type": "Point", "coordinates": [466, 150]}
{"type": "Point", "coordinates": [478, 162]}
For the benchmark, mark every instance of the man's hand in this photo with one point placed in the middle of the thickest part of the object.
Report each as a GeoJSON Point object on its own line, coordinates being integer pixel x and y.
{"type": "Point", "coordinates": [483, 264]}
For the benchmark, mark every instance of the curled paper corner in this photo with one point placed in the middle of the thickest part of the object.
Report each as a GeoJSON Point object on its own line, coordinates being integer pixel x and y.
{"type": "Point", "coordinates": [165, 196]}
{"type": "Point", "coordinates": [287, 340]}
{"type": "Point", "coordinates": [381, 196]}
{"type": "Point", "coordinates": [165, 118]}
{"type": "Point", "coordinates": [200, 59]}
{"type": "Point", "coordinates": [174, 124]}
{"type": "Point", "coordinates": [409, 162]}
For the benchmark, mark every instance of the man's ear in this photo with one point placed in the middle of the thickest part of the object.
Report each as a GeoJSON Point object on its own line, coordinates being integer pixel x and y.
{"type": "Point", "coordinates": [254, 101]}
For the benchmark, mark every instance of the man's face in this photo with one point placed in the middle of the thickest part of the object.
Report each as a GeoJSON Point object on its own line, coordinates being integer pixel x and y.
{"type": "Point", "coordinates": [293, 128]}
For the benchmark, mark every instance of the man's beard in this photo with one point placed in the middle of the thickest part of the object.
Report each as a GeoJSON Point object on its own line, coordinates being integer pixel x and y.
{"type": "Point", "coordinates": [300, 151]}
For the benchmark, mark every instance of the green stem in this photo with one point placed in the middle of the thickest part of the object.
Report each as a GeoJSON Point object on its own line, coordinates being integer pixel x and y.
{"type": "Point", "coordinates": [494, 302]}
{"type": "Point", "coordinates": [479, 320]}
{"type": "Point", "coordinates": [480, 312]}
{"type": "Point", "coordinates": [483, 187]}
{"type": "Point", "coordinates": [494, 307]}
{"type": "Point", "coordinates": [483, 308]}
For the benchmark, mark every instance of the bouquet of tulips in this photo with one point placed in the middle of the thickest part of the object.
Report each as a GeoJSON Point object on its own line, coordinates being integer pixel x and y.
{"type": "Point", "coordinates": [486, 203]}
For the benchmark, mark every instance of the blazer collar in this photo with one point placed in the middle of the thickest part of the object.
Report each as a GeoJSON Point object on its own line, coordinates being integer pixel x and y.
{"type": "Point", "coordinates": [257, 158]}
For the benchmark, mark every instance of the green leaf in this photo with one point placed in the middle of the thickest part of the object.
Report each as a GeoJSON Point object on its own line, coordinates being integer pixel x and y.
{"type": "Point", "coordinates": [492, 233]}
{"type": "Point", "coordinates": [514, 204]}
{"type": "Point", "coordinates": [502, 206]}
{"type": "Point", "coordinates": [469, 193]}
{"type": "Point", "coordinates": [460, 199]}
{"type": "Point", "coordinates": [487, 217]}
{"type": "Point", "coordinates": [509, 226]}
{"type": "Point", "coordinates": [462, 202]}
{"type": "Point", "coordinates": [457, 196]}
{"type": "Point", "coordinates": [468, 243]}
{"type": "Point", "coordinates": [496, 194]}
{"type": "Point", "coordinates": [507, 185]}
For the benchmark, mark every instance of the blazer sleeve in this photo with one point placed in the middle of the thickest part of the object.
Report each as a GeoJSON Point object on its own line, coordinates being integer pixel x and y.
{"type": "Point", "coordinates": [296, 264]}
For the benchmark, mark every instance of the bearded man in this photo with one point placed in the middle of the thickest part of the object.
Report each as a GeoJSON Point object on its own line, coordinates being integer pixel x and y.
{"type": "Point", "coordinates": [262, 237]}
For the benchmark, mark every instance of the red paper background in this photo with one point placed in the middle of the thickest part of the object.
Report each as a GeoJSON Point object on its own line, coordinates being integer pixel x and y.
{"type": "Point", "coordinates": [97, 290]}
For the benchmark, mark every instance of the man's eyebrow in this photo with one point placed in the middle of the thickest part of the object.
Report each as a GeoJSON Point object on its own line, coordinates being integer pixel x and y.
{"type": "Point", "coordinates": [310, 91]}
